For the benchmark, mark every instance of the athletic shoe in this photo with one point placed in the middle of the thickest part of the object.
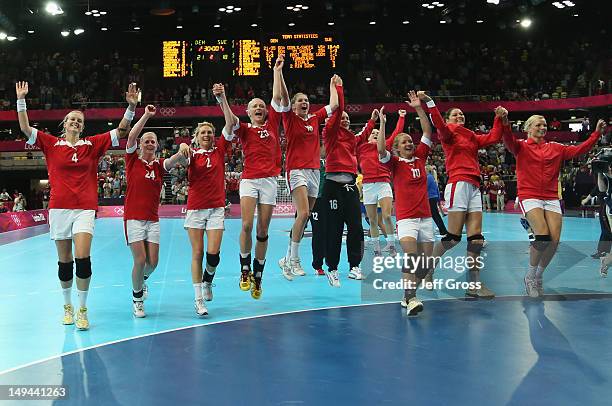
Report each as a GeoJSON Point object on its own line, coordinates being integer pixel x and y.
{"type": "Point", "coordinates": [285, 269]}
{"type": "Point", "coordinates": [603, 269]}
{"type": "Point", "coordinates": [145, 291]}
{"type": "Point", "coordinates": [207, 291]}
{"type": "Point", "coordinates": [68, 315]}
{"type": "Point", "coordinates": [355, 273]}
{"type": "Point", "coordinates": [200, 307]}
{"type": "Point", "coordinates": [245, 280]}
{"type": "Point", "coordinates": [413, 307]}
{"type": "Point", "coordinates": [319, 271]}
{"type": "Point", "coordinates": [483, 292]}
{"type": "Point", "coordinates": [332, 277]}
{"type": "Point", "coordinates": [256, 288]}
{"type": "Point", "coordinates": [81, 320]}
{"type": "Point", "coordinates": [392, 251]}
{"type": "Point", "coordinates": [540, 287]}
{"type": "Point", "coordinates": [296, 267]}
{"type": "Point", "coordinates": [531, 287]}
{"type": "Point", "coordinates": [138, 309]}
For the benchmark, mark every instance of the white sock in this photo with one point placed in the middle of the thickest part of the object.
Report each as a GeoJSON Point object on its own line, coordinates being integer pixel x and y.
{"type": "Point", "coordinates": [540, 272]}
{"type": "Point", "coordinates": [67, 295]}
{"type": "Point", "coordinates": [295, 250]}
{"type": "Point", "coordinates": [244, 254]}
{"type": "Point", "coordinates": [197, 289]}
{"type": "Point", "coordinates": [289, 250]}
{"type": "Point", "coordinates": [531, 274]}
{"type": "Point", "coordinates": [82, 294]}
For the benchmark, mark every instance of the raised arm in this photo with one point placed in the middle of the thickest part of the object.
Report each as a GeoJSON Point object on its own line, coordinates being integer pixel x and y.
{"type": "Point", "coordinates": [137, 129]}
{"type": "Point", "coordinates": [179, 158]}
{"type": "Point", "coordinates": [399, 127]}
{"type": "Point", "coordinates": [332, 126]}
{"type": "Point", "coordinates": [572, 151]}
{"type": "Point", "coordinates": [131, 96]}
{"type": "Point", "coordinates": [231, 121]}
{"type": "Point", "coordinates": [280, 94]}
{"type": "Point", "coordinates": [380, 142]}
{"type": "Point", "coordinates": [495, 135]}
{"type": "Point", "coordinates": [510, 141]}
{"type": "Point", "coordinates": [444, 133]}
{"type": "Point", "coordinates": [334, 104]}
{"type": "Point", "coordinates": [425, 144]}
{"type": "Point", "coordinates": [365, 132]}
{"type": "Point", "coordinates": [21, 88]}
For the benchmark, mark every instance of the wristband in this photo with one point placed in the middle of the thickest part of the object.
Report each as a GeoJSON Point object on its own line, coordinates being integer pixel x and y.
{"type": "Point", "coordinates": [431, 104]}
{"type": "Point", "coordinates": [129, 114]}
{"type": "Point", "coordinates": [21, 105]}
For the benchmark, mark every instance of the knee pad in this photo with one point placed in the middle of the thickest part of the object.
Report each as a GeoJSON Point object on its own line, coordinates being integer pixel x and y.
{"type": "Point", "coordinates": [213, 259]}
{"type": "Point", "coordinates": [64, 271]}
{"type": "Point", "coordinates": [450, 240]}
{"type": "Point", "coordinates": [83, 267]}
{"type": "Point", "coordinates": [541, 242]}
{"type": "Point", "coordinates": [475, 243]}
{"type": "Point", "coordinates": [262, 239]}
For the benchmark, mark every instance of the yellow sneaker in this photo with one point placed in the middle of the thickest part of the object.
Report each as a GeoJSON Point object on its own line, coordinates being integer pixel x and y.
{"type": "Point", "coordinates": [245, 281]}
{"type": "Point", "coordinates": [255, 288]}
{"type": "Point", "coordinates": [68, 315]}
{"type": "Point", "coordinates": [81, 321]}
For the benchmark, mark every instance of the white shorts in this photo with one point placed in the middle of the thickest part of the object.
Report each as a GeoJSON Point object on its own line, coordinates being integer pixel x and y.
{"type": "Point", "coordinates": [547, 205]}
{"type": "Point", "coordinates": [206, 219]}
{"type": "Point", "coordinates": [304, 177]}
{"type": "Point", "coordinates": [141, 230]}
{"type": "Point", "coordinates": [373, 192]}
{"type": "Point", "coordinates": [462, 196]}
{"type": "Point", "coordinates": [420, 229]}
{"type": "Point", "coordinates": [262, 189]}
{"type": "Point", "coordinates": [65, 223]}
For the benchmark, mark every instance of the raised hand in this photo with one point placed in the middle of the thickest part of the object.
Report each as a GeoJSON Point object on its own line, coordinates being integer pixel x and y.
{"type": "Point", "coordinates": [184, 150]}
{"type": "Point", "coordinates": [601, 125]}
{"type": "Point", "coordinates": [218, 90]}
{"type": "Point", "coordinates": [383, 117]}
{"type": "Point", "coordinates": [21, 88]}
{"type": "Point", "coordinates": [414, 101]}
{"type": "Point", "coordinates": [502, 113]}
{"type": "Point", "coordinates": [280, 62]}
{"type": "Point", "coordinates": [423, 96]}
{"type": "Point", "coordinates": [150, 110]}
{"type": "Point", "coordinates": [375, 114]}
{"type": "Point", "coordinates": [131, 96]}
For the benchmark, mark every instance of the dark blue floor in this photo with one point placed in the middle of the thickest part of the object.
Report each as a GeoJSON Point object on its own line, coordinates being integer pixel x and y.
{"type": "Point", "coordinates": [509, 351]}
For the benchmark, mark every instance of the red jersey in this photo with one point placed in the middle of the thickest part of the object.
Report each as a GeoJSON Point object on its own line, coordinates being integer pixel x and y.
{"type": "Point", "coordinates": [73, 169]}
{"type": "Point", "coordinates": [303, 149]}
{"type": "Point", "coordinates": [461, 147]}
{"type": "Point", "coordinates": [538, 165]}
{"type": "Point", "coordinates": [410, 183]}
{"type": "Point", "coordinates": [261, 146]}
{"type": "Point", "coordinates": [340, 143]}
{"type": "Point", "coordinates": [144, 183]}
{"type": "Point", "coordinates": [206, 177]}
{"type": "Point", "coordinates": [372, 169]}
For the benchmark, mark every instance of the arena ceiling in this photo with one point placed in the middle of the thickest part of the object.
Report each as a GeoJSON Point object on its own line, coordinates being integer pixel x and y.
{"type": "Point", "coordinates": [27, 18]}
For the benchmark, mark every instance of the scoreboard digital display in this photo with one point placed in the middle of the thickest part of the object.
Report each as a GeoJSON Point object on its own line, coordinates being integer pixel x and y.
{"type": "Point", "coordinates": [249, 57]}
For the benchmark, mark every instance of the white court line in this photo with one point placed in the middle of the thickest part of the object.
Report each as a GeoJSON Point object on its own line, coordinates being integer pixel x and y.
{"type": "Point", "coordinates": [255, 317]}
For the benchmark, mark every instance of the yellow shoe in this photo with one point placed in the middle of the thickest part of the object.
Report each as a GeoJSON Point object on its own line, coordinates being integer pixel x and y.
{"type": "Point", "coordinates": [68, 315]}
{"type": "Point", "coordinates": [81, 322]}
{"type": "Point", "coordinates": [245, 281]}
{"type": "Point", "coordinates": [255, 288]}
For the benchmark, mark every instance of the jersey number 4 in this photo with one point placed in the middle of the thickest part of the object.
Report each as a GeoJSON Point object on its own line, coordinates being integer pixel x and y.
{"type": "Point", "coordinates": [74, 158]}
{"type": "Point", "coordinates": [150, 175]}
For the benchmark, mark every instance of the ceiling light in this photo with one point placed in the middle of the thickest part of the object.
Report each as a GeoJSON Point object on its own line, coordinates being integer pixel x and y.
{"type": "Point", "coordinates": [558, 5]}
{"type": "Point", "coordinates": [569, 3]}
{"type": "Point", "coordinates": [30, 31]}
{"type": "Point", "coordinates": [575, 15]}
{"type": "Point", "coordinates": [103, 13]}
{"type": "Point", "coordinates": [525, 23]}
{"type": "Point", "coordinates": [405, 22]}
{"type": "Point", "coordinates": [229, 11]}
{"type": "Point", "coordinates": [104, 29]}
{"type": "Point", "coordinates": [2, 35]}
{"type": "Point", "coordinates": [179, 27]}
{"type": "Point", "coordinates": [53, 8]}
{"type": "Point", "coordinates": [425, 5]}
{"type": "Point", "coordinates": [88, 13]}
{"type": "Point", "coordinates": [65, 33]}
{"type": "Point", "coordinates": [305, 7]}
{"type": "Point", "coordinates": [330, 23]}
{"type": "Point", "coordinates": [372, 22]}
{"type": "Point", "coordinates": [237, 9]}
{"type": "Point", "coordinates": [440, 4]}
{"type": "Point", "coordinates": [496, 2]}
{"type": "Point", "coordinates": [11, 38]}
{"type": "Point", "coordinates": [78, 31]}
{"type": "Point", "coordinates": [229, 7]}
{"type": "Point", "coordinates": [94, 11]}
{"type": "Point", "coordinates": [289, 7]}
{"type": "Point", "coordinates": [222, 9]}
{"type": "Point", "coordinates": [217, 26]}
{"type": "Point", "coordinates": [430, 7]}
{"type": "Point", "coordinates": [136, 28]}
{"type": "Point", "coordinates": [291, 24]}
{"type": "Point", "coordinates": [479, 21]}
{"type": "Point", "coordinates": [367, 79]}
{"type": "Point", "coordinates": [253, 25]}
{"type": "Point", "coordinates": [97, 15]}
{"type": "Point", "coordinates": [442, 21]}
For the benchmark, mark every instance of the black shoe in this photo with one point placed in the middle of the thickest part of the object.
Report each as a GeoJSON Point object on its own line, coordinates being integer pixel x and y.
{"type": "Point", "coordinates": [598, 254]}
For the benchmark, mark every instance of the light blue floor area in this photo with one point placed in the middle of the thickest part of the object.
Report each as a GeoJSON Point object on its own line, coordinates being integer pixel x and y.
{"type": "Point", "coordinates": [31, 300]}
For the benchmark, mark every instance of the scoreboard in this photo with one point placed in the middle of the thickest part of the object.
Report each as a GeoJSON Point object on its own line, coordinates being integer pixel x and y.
{"type": "Point", "coordinates": [249, 57]}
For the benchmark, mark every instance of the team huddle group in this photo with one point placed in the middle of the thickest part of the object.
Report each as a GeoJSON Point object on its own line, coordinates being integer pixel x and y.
{"type": "Point", "coordinates": [72, 163]}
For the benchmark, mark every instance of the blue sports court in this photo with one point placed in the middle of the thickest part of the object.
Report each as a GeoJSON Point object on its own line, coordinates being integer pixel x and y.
{"type": "Point", "coordinates": [305, 342]}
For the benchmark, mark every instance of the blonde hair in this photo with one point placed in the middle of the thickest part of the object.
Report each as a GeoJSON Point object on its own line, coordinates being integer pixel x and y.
{"type": "Point", "coordinates": [396, 142]}
{"type": "Point", "coordinates": [194, 137]}
{"type": "Point", "coordinates": [62, 124]}
{"type": "Point", "coordinates": [295, 96]}
{"type": "Point", "coordinates": [531, 120]}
